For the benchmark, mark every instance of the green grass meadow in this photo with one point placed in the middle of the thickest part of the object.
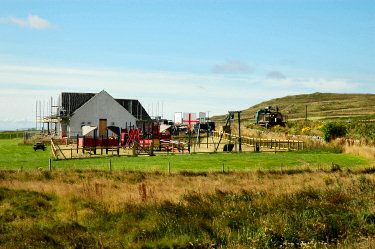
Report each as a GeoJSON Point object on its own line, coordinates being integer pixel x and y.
{"type": "Point", "coordinates": [255, 205]}
{"type": "Point", "coordinates": [14, 155]}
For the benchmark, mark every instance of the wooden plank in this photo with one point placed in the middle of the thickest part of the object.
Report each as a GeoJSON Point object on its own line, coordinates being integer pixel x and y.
{"type": "Point", "coordinates": [60, 151]}
{"type": "Point", "coordinates": [53, 149]}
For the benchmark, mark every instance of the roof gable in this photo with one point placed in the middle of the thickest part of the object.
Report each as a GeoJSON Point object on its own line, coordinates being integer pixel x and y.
{"type": "Point", "coordinates": [71, 101]}
{"type": "Point", "coordinates": [103, 105]}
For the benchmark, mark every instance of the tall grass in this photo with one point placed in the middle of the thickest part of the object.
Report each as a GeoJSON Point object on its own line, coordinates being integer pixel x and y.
{"type": "Point", "coordinates": [360, 150]}
{"type": "Point", "coordinates": [90, 209]}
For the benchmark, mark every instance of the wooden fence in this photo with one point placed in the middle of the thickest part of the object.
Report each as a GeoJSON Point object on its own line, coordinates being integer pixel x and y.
{"type": "Point", "coordinates": [70, 150]}
{"type": "Point", "coordinates": [287, 145]}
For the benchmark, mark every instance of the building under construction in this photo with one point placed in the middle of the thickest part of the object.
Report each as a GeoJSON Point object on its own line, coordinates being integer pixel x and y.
{"type": "Point", "coordinates": [97, 110]}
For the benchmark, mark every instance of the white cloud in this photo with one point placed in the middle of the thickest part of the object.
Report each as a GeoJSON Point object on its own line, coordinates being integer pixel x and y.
{"type": "Point", "coordinates": [32, 21]}
{"type": "Point", "coordinates": [276, 75]}
{"type": "Point", "coordinates": [233, 66]}
{"type": "Point", "coordinates": [179, 91]}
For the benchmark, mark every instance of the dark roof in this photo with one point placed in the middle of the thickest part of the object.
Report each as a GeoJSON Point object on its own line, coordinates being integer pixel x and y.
{"type": "Point", "coordinates": [135, 108]}
{"type": "Point", "coordinates": [72, 101]}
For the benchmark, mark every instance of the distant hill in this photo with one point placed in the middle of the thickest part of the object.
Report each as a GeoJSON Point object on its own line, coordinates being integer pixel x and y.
{"type": "Point", "coordinates": [319, 106]}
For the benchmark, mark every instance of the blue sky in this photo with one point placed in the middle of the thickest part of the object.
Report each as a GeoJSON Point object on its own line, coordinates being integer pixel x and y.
{"type": "Point", "coordinates": [189, 55]}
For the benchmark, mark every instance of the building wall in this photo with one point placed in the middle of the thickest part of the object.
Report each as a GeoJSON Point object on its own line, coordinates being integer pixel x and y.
{"type": "Point", "coordinates": [101, 106]}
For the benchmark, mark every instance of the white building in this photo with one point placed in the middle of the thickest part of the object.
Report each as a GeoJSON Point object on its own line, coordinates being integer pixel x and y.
{"type": "Point", "coordinates": [98, 109]}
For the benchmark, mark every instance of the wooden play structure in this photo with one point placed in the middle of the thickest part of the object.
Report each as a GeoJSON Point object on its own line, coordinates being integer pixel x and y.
{"type": "Point", "coordinates": [148, 139]}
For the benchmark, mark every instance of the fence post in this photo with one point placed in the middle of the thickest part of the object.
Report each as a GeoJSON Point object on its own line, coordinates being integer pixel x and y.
{"type": "Point", "coordinates": [94, 142]}
{"type": "Point", "coordinates": [235, 144]}
{"type": "Point", "coordinates": [223, 168]}
{"type": "Point", "coordinates": [101, 145]}
{"type": "Point", "coordinates": [169, 168]}
{"type": "Point", "coordinates": [106, 145]}
{"type": "Point", "coordinates": [77, 143]}
{"type": "Point", "coordinates": [118, 146]}
{"type": "Point", "coordinates": [110, 165]}
{"type": "Point", "coordinates": [50, 164]}
{"type": "Point", "coordinates": [83, 147]}
{"type": "Point", "coordinates": [281, 166]}
{"type": "Point", "coordinates": [151, 152]}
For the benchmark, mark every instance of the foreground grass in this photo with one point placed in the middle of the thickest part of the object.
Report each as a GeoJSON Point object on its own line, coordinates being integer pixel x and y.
{"type": "Point", "coordinates": [15, 157]}
{"type": "Point", "coordinates": [121, 209]}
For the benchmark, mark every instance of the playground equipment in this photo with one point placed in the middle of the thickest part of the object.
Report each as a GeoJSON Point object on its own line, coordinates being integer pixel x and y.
{"type": "Point", "coordinates": [206, 127]}
{"type": "Point", "coordinates": [146, 138]}
{"type": "Point", "coordinates": [227, 128]}
{"type": "Point", "coordinates": [189, 130]}
{"type": "Point", "coordinates": [269, 117]}
{"type": "Point", "coordinates": [152, 137]}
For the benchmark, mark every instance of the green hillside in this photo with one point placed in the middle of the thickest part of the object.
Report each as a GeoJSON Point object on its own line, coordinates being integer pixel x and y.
{"type": "Point", "coordinates": [320, 106]}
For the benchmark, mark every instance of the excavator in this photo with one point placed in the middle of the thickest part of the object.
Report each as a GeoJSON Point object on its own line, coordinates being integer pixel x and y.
{"type": "Point", "coordinates": [269, 117]}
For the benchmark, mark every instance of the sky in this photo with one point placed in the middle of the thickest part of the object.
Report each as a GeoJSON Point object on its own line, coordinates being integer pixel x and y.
{"type": "Point", "coordinates": [182, 55]}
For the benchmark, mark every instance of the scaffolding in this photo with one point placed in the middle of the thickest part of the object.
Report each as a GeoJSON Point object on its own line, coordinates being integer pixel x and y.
{"type": "Point", "coordinates": [48, 116]}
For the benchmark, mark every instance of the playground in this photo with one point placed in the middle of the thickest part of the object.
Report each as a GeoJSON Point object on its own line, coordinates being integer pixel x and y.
{"type": "Point", "coordinates": [158, 139]}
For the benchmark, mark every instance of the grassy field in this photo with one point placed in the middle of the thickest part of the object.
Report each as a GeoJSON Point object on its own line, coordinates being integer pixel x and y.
{"type": "Point", "coordinates": [14, 156]}
{"type": "Point", "coordinates": [254, 204]}
{"type": "Point", "coordinates": [320, 106]}
{"type": "Point", "coordinates": [122, 209]}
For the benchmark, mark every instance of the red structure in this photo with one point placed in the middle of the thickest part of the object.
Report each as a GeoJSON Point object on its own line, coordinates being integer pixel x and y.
{"type": "Point", "coordinates": [140, 138]}
{"type": "Point", "coordinates": [190, 121]}
{"type": "Point", "coordinates": [92, 142]}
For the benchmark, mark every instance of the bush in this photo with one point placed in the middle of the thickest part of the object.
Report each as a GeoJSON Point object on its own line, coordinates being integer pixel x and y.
{"type": "Point", "coordinates": [333, 130]}
{"type": "Point", "coordinates": [363, 130]}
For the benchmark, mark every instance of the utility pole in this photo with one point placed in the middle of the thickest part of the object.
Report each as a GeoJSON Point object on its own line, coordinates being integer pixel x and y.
{"type": "Point", "coordinates": [36, 115]}
{"type": "Point", "coordinates": [239, 131]}
{"type": "Point", "coordinates": [50, 118]}
{"type": "Point", "coordinates": [40, 114]}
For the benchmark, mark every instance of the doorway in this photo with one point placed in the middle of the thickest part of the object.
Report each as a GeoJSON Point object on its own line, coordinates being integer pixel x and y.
{"type": "Point", "coordinates": [103, 127]}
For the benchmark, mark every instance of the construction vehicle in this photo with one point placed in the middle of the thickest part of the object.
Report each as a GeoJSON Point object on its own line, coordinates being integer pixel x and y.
{"type": "Point", "coordinates": [269, 117]}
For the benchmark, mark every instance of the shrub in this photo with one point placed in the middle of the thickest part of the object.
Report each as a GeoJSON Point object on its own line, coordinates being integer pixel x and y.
{"type": "Point", "coordinates": [363, 130]}
{"type": "Point", "coordinates": [306, 130]}
{"type": "Point", "coordinates": [333, 130]}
